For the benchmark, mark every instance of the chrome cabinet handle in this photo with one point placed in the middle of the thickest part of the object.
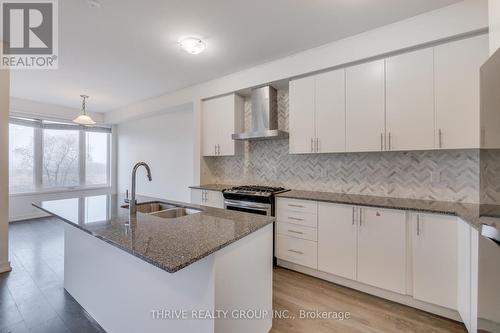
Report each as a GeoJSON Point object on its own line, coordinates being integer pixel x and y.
{"type": "Point", "coordinates": [381, 141]}
{"type": "Point", "coordinates": [440, 134]}
{"type": "Point", "coordinates": [298, 206]}
{"type": "Point", "coordinates": [353, 210]}
{"type": "Point", "coordinates": [360, 217]}
{"type": "Point", "coordinates": [295, 218]}
{"type": "Point", "coordinates": [317, 145]}
{"type": "Point", "coordinates": [215, 149]}
{"type": "Point", "coordinates": [295, 232]}
{"type": "Point", "coordinates": [295, 251]}
{"type": "Point", "coordinates": [312, 145]}
{"type": "Point", "coordinates": [218, 149]}
{"type": "Point", "coordinates": [418, 225]}
{"type": "Point", "coordinates": [389, 140]}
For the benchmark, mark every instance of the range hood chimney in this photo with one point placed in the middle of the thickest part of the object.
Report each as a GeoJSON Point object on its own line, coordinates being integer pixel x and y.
{"type": "Point", "coordinates": [264, 117]}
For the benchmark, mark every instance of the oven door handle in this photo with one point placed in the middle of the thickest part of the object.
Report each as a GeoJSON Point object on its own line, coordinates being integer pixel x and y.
{"type": "Point", "coordinates": [246, 204]}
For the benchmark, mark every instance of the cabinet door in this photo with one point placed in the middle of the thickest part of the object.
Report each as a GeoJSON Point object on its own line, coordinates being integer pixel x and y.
{"type": "Point", "coordinates": [196, 196]}
{"type": "Point", "coordinates": [230, 121]}
{"type": "Point", "coordinates": [214, 199]}
{"type": "Point", "coordinates": [301, 121]}
{"type": "Point", "coordinates": [457, 92]}
{"type": "Point", "coordinates": [365, 107]}
{"type": "Point", "coordinates": [382, 249]}
{"type": "Point", "coordinates": [211, 112]}
{"type": "Point", "coordinates": [330, 112]}
{"type": "Point", "coordinates": [464, 273]}
{"type": "Point", "coordinates": [435, 259]}
{"type": "Point", "coordinates": [410, 101]}
{"type": "Point", "coordinates": [337, 240]}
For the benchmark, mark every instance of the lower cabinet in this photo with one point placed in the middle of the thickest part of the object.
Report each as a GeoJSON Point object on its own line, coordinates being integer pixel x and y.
{"type": "Point", "coordinates": [429, 259]}
{"type": "Point", "coordinates": [299, 251]}
{"type": "Point", "coordinates": [382, 249]}
{"type": "Point", "coordinates": [435, 253]}
{"type": "Point", "coordinates": [207, 198]}
{"type": "Point", "coordinates": [337, 239]}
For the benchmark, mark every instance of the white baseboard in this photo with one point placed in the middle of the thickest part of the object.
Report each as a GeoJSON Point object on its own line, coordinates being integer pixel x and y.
{"type": "Point", "coordinates": [389, 295]}
{"type": "Point", "coordinates": [5, 267]}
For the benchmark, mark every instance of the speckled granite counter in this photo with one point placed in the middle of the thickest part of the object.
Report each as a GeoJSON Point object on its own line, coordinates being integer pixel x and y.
{"type": "Point", "coordinates": [212, 187]}
{"type": "Point", "coordinates": [170, 244]}
{"type": "Point", "coordinates": [467, 212]}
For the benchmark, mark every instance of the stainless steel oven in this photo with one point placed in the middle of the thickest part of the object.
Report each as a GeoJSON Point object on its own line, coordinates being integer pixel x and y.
{"type": "Point", "coordinates": [248, 207]}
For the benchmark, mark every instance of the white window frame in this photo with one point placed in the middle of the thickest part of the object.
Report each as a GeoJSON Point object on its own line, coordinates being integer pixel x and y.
{"type": "Point", "coordinates": [38, 126]}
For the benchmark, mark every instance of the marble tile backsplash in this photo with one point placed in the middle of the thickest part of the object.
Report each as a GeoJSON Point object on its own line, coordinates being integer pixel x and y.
{"type": "Point", "coordinates": [434, 175]}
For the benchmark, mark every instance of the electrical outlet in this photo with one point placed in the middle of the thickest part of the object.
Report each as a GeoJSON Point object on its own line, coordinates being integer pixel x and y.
{"type": "Point", "coordinates": [324, 173]}
{"type": "Point", "coordinates": [435, 176]}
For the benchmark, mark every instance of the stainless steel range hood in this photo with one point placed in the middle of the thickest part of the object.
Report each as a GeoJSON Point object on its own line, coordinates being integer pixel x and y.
{"type": "Point", "coordinates": [264, 117]}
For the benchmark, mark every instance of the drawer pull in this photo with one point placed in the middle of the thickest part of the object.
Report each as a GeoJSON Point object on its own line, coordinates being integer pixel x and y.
{"type": "Point", "coordinates": [295, 251]}
{"type": "Point", "coordinates": [298, 206]}
{"type": "Point", "coordinates": [295, 232]}
{"type": "Point", "coordinates": [295, 218]}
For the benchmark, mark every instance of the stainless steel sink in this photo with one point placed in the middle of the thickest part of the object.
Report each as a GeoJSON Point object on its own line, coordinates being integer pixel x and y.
{"type": "Point", "coordinates": [151, 207]}
{"type": "Point", "coordinates": [164, 210]}
{"type": "Point", "coordinates": [176, 212]}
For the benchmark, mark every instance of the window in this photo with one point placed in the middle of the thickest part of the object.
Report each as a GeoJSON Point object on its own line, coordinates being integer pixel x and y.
{"type": "Point", "coordinates": [21, 158]}
{"type": "Point", "coordinates": [97, 158]}
{"type": "Point", "coordinates": [60, 158]}
{"type": "Point", "coordinates": [54, 155]}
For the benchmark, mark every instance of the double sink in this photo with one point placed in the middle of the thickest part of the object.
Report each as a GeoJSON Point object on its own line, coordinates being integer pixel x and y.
{"type": "Point", "coordinates": [164, 210]}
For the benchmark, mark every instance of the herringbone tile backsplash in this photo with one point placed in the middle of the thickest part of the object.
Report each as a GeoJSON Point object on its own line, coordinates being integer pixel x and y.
{"type": "Point", "coordinates": [436, 175]}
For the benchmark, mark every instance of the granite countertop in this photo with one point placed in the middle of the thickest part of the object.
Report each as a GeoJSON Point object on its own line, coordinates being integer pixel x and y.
{"type": "Point", "coordinates": [466, 211]}
{"type": "Point", "coordinates": [169, 244]}
{"type": "Point", "coordinates": [212, 187]}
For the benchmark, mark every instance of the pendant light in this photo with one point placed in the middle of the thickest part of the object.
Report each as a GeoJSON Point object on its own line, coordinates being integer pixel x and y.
{"type": "Point", "coordinates": [84, 119]}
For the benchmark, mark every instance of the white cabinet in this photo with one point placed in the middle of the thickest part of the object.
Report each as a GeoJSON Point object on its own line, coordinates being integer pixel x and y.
{"type": "Point", "coordinates": [410, 101]}
{"type": "Point", "coordinates": [330, 112]}
{"type": "Point", "coordinates": [435, 259]}
{"type": "Point", "coordinates": [457, 92]}
{"type": "Point", "coordinates": [317, 113]}
{"type": "Point", "coordinates": [221, 117]}
{"type": "Point", "coordinates": [382, 249]}
{"type": "Point", "coordinates": [297, 231]}
{"type": "Point", "coordinates": [207, 198]}
{"type": "Point", "coordinates": [474, 257]}
{"type": "Point", "coordinates": [464, 273]}
{"type": "Point", "coordinates": [301, 115]}
{"type": "Point", "coordinates": [337, 235]}
{"type": "Point", "coordinates": [365, 107]}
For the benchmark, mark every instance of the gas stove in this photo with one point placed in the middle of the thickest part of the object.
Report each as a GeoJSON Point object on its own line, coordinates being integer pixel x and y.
{"type": "Point", "coordinates": [254, 190]}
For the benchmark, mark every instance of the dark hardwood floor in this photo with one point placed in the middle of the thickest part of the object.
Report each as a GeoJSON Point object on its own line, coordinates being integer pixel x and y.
{"type": "Point", "coordinates": [32, 297]}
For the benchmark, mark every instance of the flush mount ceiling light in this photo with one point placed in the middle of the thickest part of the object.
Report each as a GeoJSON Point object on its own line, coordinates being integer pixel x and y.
{"type": "Point", "coordinates": [84, 119]}
{"type": "Point", "coordinates": [192, 45]}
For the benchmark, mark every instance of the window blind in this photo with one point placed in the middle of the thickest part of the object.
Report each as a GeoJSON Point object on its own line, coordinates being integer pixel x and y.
{"type": "Point", "coordinates": [37, 123]}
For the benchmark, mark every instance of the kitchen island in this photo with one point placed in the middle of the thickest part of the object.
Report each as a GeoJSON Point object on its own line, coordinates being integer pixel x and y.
{"type": "Point", "coordinates": [171, 267]}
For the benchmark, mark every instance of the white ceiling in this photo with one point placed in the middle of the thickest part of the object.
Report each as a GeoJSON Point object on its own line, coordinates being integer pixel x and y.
{"type": "Point", "coordinates": [126, 50]}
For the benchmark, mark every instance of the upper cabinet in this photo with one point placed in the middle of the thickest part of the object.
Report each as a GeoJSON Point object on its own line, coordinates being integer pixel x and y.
{"type": "Point", "coordinates": [301, 118]}
{"type": "Point", "coordinates": [365, 107]}
{"type": "Point", "coordinates": [221, 117]}
{"type": "Point", "coordinates": [457, 92]}
{"type": "Point", "coordinates": [317, 113]}
{"type": "Point", "coordinates": [410, 101]}
{"type": "Point", "coordinates": [420, 100]}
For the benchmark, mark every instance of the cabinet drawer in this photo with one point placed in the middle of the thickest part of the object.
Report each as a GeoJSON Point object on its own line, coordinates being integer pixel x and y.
{"type": "Point", "coordinates": [297, 231]}
{"type": "Point", "coordinates": [300, 206]}
{"type": "Point", "coordinates": [303, 219]}
{"type": "Point", "coordinates": [299, 251]}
